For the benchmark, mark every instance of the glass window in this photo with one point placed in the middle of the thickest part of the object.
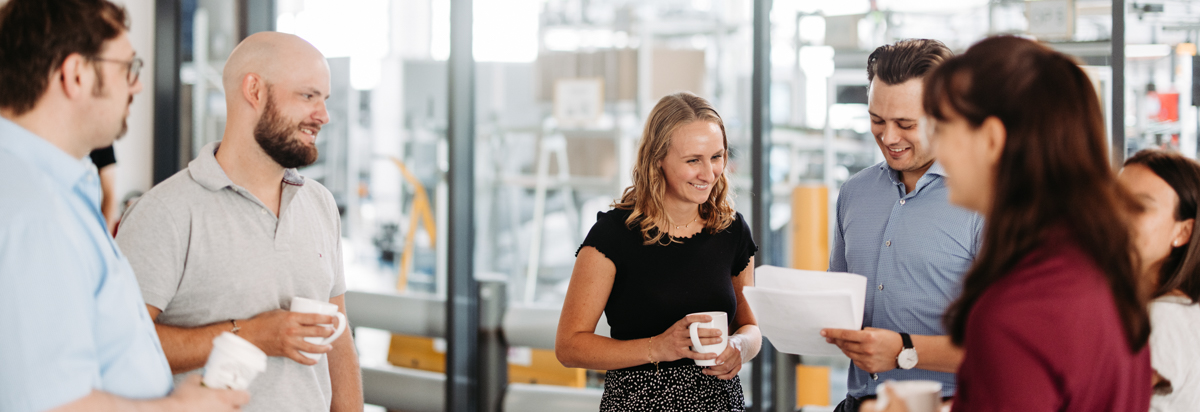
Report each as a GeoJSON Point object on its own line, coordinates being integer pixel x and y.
{"type": "Point", "coordinates": [563, 88]}
{"type": "Point", "coordinates": [209, 30]}
{"type": "Point", "coordinates": [821, 131]}
{"type": "Point", "coordinates": [384, 153]}
{"type": "Point", "coordinates": [1161, 76]}
{"type": "Point", "coordinates": [821, 135]}
{"type": "Point", "coordinates": [561, 93]}
{"type": "Point", "coordinates": [385, 158]}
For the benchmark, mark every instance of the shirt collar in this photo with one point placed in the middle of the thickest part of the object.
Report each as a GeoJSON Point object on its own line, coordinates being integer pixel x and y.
{"type": "Point", "coordinates": [44, 156]}
{"type": "Point", "coordinates": [293, 177]}
{"type": "Point", "coordinates": [935, 169]}
{"type": "Point", "coordinates": [208, 173]}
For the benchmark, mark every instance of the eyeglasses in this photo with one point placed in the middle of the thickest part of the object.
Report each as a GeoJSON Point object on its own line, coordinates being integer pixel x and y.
{"type": "Point", "coordinates": [134, 67]}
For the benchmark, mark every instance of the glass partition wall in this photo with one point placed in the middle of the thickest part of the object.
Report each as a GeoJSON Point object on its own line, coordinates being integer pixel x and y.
{"type": "Point", "coordinates": [563, 88]}
{"type": "Point", "coordinates": [561, 91]}
{"type": "Point", "coordinates": [820, 132]}
{"type": "Point", "coordinates": [560, 95]}
{"type": "Point", "coordinates": [388, 163]}
{"type": "Point", "coordinates": [1161, 76]}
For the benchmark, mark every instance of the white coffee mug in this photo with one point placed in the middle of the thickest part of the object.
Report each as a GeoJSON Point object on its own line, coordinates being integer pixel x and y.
{"type": "Point", "coordinates": [233, 363]}
{"type": "Point", "coordinates": [304, 305]}
{"type": "Point", "coordinates": [919, 395]}
{"type": "Point", "coordinates": [720, 320]}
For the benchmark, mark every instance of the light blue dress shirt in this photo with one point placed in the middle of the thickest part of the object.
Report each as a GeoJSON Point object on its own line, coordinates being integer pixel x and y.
{"type": "Point", "coordinates": [913, 248]}
{"type": "Point", "coordinates": [72, 317]}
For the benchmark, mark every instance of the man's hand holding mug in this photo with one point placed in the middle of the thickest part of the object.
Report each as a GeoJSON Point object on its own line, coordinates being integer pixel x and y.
{"type": "Point", "coordinates": [287, 333]}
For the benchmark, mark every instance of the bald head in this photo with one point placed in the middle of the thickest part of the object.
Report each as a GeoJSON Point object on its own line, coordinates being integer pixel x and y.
{"type": "Point", "coordinates": [274, 57]}
{"type": "Point", "coordinates": [276, 85]}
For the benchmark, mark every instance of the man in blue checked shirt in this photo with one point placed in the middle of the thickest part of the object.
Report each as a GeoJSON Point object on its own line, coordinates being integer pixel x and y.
{"type": "Point", "coordinates": [896, 227]}
{"type": "Point", "coordinates": [76, 333]}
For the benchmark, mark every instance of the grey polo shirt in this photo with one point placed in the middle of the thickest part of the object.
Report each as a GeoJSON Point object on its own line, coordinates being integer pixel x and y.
{"type": "Point", "coordinates": [206, 250]}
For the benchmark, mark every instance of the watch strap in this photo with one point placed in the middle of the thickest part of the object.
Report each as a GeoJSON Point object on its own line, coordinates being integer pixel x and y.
{"type": "Point", "coordinates": [908, 344]}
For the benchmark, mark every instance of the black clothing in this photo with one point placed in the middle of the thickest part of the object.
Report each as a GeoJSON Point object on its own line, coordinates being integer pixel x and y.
{"type": "Point", "coordinates": [103, 157]}
{"type": "Point", "coordinates": [656, 285]}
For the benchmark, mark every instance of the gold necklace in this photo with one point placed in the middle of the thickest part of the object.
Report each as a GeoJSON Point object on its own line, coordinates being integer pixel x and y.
{"type": "Point", "coordinates": [688, 223]}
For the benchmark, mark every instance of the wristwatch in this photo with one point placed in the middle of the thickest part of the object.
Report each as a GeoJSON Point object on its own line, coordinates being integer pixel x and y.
{"type": "Point", "coordinates": [908, 355]}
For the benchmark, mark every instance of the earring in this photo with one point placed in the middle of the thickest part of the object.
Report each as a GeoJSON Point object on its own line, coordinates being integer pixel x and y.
{"type": "Point", "coordinates": [1175, 243]}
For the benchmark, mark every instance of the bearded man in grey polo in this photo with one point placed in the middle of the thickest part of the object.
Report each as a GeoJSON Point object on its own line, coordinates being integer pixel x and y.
{"type": "Point", "coordinates": [224, 245]}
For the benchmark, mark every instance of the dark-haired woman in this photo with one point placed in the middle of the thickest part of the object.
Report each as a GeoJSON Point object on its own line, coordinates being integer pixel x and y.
{"type": "Point", "coordinates": [1051, 318]}
{"type": "Point", "coordinates": [1168, 187]}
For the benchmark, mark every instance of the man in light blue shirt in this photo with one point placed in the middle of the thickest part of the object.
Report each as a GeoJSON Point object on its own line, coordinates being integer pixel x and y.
{"type": "Point", "coordinates": [76, 333]}
{"type": "Point", "coordinates": [896, 227]}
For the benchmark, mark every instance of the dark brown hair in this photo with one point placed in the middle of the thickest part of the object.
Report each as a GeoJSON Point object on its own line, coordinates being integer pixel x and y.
{"type": "Point", "coordinates": [645, 197]}
{"type": "Point", "coordinates": [1181, 270]}
{"type": "Point", "coordinates": [37, 35]}
{"type": "Point", "coordinates": [1053, 171]}
{"type": "Point", "coordinates": [905, 60]}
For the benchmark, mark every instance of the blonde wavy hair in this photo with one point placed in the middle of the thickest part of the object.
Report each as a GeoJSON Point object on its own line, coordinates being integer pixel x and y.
{"type": "Point", "coordinates": [645, 197]}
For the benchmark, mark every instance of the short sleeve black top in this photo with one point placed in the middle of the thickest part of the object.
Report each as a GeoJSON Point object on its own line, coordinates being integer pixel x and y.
{"type": "Point", "coordinates": [656, 285]}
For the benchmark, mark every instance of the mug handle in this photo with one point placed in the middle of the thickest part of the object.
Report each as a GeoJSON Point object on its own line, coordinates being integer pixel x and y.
{"type": "Point", "coordinates": [692, 332]}
{"type": "Point", "coordinates": [341, 327]}
{"type": "Point", "coordinates": [882, 399]}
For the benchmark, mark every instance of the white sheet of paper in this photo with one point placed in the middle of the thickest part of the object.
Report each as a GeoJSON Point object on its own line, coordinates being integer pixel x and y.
{"type": "Point", "coordinates": [796, 280]}
{"type": "Point", "coordinates": [792, 306]}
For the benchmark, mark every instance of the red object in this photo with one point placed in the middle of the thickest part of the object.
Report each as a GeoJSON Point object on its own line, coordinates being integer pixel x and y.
{"type": "Point", "coordinates": [1047, 337]}
{"type": "Point", "coordinates": [1168, 104]}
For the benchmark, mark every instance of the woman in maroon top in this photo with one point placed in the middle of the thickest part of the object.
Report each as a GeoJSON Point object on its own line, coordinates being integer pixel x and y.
{"type": "Point", "coordinates": [1051, 318]}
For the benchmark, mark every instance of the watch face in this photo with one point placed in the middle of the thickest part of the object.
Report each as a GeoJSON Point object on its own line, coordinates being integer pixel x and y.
{"type": "Point", "coordinates": [907, 358]}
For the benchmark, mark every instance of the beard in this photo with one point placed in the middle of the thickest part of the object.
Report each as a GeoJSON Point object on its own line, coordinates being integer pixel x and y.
{"type": "Point", "coordinates": [274, 135]}
{"type": "Point", "coordinates": [124, 122]}
{"type": "Point", "coordinates": [98, 90]}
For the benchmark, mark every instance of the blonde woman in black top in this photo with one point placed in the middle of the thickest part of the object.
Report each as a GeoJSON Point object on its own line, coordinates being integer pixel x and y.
{"type": "Point", "coordinates": [671, 247]}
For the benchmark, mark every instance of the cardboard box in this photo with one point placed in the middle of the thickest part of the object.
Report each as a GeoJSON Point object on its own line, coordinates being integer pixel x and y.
{"type": "Point", "coordinates": [677, 70]}
{"type": "Point", "coordinates": [417, 352]}
{"type": "Point", "coordinates": [540, 366]}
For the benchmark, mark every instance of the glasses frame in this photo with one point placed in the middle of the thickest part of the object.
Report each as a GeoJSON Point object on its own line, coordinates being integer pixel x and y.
{"type": "Point", "coordinates": [133, 67]}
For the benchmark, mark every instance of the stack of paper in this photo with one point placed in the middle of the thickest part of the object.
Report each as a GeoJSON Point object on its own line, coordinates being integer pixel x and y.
{"type": "Point", "coordinates": [792, 306]}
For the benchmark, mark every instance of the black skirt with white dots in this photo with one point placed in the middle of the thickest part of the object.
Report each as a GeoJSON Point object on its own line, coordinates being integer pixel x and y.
{"type": "Point", "coordinates": [680, 388]}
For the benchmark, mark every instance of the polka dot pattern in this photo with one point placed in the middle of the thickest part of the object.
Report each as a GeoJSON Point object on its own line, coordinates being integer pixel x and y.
{"type": "Point", "coordinates": [680, 388]}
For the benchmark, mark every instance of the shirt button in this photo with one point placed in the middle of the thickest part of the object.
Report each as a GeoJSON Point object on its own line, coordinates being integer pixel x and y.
{"type": "Point", "coordinates": [263, 211]}
{"type": "Point", "coordinates": [902, 202]}
{"type": "Point", "coordinates": [880, 286]}
{"type": "Point", "coordinates": [888, 243]}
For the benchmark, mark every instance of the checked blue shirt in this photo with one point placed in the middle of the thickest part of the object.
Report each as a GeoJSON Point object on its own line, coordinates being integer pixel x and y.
{"type": "Point", "coordinates": [913, 248]}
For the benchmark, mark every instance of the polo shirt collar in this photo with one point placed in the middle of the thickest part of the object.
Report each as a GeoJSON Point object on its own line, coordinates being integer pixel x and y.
{"type": "Point", "coordinates": [293, 177]}
{"type": "Point", "coordinates": [208, 173]}
{"type": "Point", "coordinates": [63, 168]}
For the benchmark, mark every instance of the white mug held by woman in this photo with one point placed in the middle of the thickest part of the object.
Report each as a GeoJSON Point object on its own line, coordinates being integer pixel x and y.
{"type": "Point", "coordinates": [720, 320]}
